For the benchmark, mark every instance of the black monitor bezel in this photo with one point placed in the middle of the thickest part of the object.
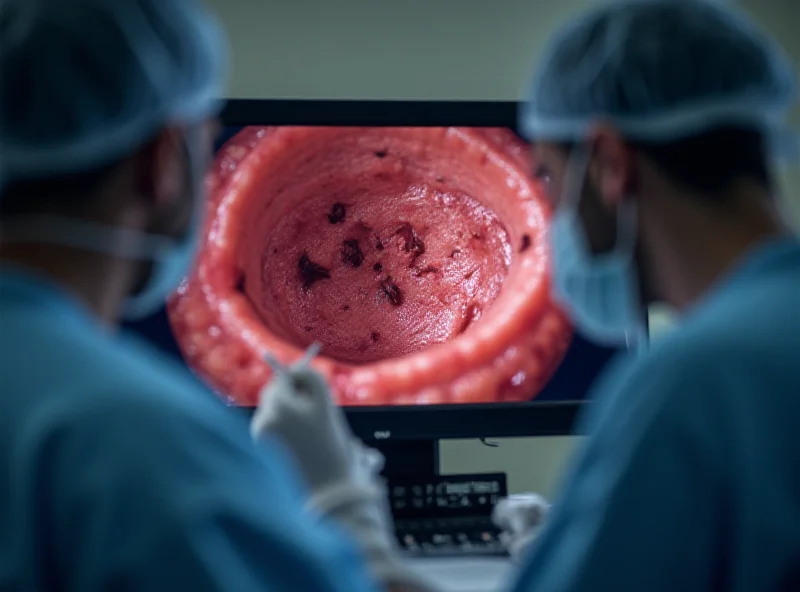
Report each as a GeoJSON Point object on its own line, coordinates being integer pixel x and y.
{"type": "Point", "coordinates": [359, 113]}
{"type": "Point", "coordinates": [417, 422]}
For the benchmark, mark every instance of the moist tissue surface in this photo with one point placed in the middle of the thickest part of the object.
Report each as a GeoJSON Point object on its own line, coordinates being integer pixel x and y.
{"type": "Point", "coordinates": [380, 271]}
{"type": "Point", "coordinates": [417, 257]}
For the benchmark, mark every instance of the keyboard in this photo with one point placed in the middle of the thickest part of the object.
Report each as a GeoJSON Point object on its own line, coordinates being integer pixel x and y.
{"type": "Point", "coordinates": [447, 516]}
{"type": "Point", "coordinates": [449, 537]}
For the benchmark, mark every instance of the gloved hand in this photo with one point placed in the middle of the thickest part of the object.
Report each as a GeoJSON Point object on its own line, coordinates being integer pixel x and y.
{"type": "Point", "coordinates": [520, 517]}
{"type": "Point", "coordinates": [341, 472]}
{"type": "Point", "coordinates": [296, 407]}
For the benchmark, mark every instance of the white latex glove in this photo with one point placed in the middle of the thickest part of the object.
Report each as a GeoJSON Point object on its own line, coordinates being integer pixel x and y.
{"type": "Point", "coordinates": [520, 517]}
{"type": "Point", "coordinates": [296, 407]}
{"type": "Point", "coordinates": [341, 472]}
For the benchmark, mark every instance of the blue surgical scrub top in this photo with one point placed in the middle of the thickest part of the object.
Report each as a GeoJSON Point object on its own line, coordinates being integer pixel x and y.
{"type": "Point", "coordinates": [689, 478]}
{"type": "Point", "coordinates": [120, 472]}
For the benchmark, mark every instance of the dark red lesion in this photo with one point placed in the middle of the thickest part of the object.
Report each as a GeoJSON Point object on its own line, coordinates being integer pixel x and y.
{"type": "Point", "coordinates": [526, 243]}
{"type": "Point", "coordinates": [311, 272]}
{"type": "Point", "coordinates": [377, 268]}
{"type": "Point", "coordinates": [351, 253]}
{"type": "Point", "coordinates": [337, 214]}
{"type": "Point", "coordinates": [471, 314]}
{"type": "Point", "coordinates": [391, 291]}
{"type": "Point", "coordinates": [412, 243]}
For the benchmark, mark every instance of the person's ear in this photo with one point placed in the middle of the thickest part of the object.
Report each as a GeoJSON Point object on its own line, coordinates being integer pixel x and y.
{"type": "Point", "coordinates": [611, 165]}
{"type": "Point", "coordinates": [161, 173]}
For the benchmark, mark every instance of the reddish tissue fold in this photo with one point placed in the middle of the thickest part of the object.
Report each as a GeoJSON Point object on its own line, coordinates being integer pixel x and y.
{"type": "Point", "coordinates": [417, 258]}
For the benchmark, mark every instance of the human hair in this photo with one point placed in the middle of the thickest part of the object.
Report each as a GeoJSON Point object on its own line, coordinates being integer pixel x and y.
{"type": "Point", "coordinates": [709, 163]}
{"type": "Point", "coordinates": [71, 192]}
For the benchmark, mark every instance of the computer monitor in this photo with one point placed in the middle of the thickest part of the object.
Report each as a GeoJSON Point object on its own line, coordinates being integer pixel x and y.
{"type": "Point", "coordinates": [420, 132]}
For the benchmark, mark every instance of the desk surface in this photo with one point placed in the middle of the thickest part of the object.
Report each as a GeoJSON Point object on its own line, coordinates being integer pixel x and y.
{"type": "Point", "coordinates": [467, 574]}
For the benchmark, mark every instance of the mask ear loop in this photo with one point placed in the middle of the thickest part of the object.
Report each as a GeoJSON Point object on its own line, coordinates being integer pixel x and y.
{"type": "Point", "coordinates": [90, 236]}
{"type": "Point", "coordinates": [637, 340]}
{"type": "Point", "coordinates": [627, 225]}
{"type": "Point", "coordinates": [101, 238]}
{"type": "Point", "coordinates": [574, 179]}
{"type": "Point", "coordinates": [568, 207]}
{"type": "Point", "coordinates": [196, 167]}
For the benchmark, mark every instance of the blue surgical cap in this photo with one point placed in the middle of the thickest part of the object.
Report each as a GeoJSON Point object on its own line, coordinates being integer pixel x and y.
{"type": "Point", "coordinates": [88, 81]}
{"type": "Point", "coordinates": [661, 70]}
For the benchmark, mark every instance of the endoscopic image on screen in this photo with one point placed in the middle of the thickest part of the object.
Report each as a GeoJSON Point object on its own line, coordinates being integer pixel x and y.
{"type": "Point", "coordinates": [416, 257]}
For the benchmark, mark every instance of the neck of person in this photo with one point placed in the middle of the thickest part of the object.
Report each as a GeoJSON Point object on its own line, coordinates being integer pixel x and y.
{"type": "Point", "coordinates": [694, 243]}
{"type": "Point", "coordinates": [99, 281]}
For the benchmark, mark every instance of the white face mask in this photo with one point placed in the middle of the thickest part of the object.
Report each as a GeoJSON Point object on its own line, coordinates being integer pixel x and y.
{"type": "Point", "coordinates": [600, 292]}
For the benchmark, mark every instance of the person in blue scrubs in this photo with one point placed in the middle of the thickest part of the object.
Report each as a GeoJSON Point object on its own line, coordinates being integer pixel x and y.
{"type": "Point", "coordinates": [119, 471]}
{"type": "Point", "coordinates": [655, 124]}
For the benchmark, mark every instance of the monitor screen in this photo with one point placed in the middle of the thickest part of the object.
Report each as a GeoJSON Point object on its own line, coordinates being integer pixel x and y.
{"type": "Point", "coordinates": [413, 251]}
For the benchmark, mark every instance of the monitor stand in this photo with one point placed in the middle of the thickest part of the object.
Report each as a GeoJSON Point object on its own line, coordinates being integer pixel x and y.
{"type": "Point", "coordinates": [409, 458]}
